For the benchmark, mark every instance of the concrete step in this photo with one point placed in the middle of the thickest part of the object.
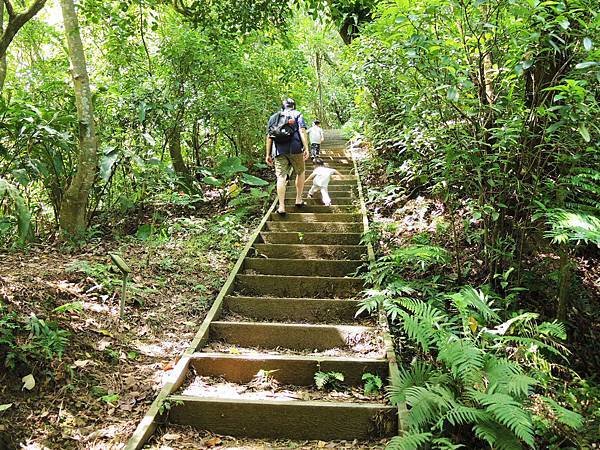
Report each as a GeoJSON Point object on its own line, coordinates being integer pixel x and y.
{"type": "Point", "coordinates": [297, 286]}
{"type": "Point", "coordinates": [326, 227]}
{"type": "Point", "coordinates": [306, 251]}
{"type": "Point", "coordinates": [334, 195]}
{"type": "Point", "coordinates": [295, 336]}
{"type": "Point", "coordinates": [284, 419]}
{"type": "Point", "coordinates": [323, 209]}
{"type": "Point", "coordinates": [296, 370]}
{"type": "Point", "coordinates": [331, 188]}
{"type": "Point", "coordinates": [344, 170]}
{"type": "Point", "coordinates": [293, 309]}
{"type": "Point", "coordinates": [300, 267]}
{"type": "Point", "coordinates": [317, 217]}
{"type": "Point", "coordinates": [311, 238]}
{"type": "Point", "coordinates": [290, 200]}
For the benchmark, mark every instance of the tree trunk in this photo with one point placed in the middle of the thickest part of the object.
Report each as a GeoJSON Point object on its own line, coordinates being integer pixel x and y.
{"type": "Point", "coordinates": [320, 87]}
{"type": "Point", "coordinates": [3, 57]}
{"type": "Point", "coordinates": [175, 152]}
{"type": "Point", "coordinates": [74, 202]}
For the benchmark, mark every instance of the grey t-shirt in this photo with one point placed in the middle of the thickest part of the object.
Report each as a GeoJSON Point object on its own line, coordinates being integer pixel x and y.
{"type": "Point", "coordinates": [295, 145]}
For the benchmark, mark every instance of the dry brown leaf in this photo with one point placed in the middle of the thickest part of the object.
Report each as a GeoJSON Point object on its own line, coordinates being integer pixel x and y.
{"type": "Point", "coordinates": [103, 344]}
{"type": "Point", "coordinates": [171, 436]}
{"type": "Point", "coordinates": [211, 442]}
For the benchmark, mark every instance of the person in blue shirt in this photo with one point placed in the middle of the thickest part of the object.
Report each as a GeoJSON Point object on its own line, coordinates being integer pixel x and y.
{"type": "Point", "coordinates": [289, 153]}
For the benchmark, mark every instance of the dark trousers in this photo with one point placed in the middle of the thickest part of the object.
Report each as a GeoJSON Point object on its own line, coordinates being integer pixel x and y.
{"type": "Point", "coordinates": [315, 149]}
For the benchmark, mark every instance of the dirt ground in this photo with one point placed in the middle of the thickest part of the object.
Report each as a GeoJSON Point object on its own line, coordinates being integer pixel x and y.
{"type": "Point", "coordinates": [95, 394]}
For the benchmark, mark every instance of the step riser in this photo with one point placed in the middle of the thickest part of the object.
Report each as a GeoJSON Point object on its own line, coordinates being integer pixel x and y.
{"type": "Point", "coordinates": [302, 251]}
{"type": "Point", "coordinates": [282, 286]}
{"type": "Point", "coordinates": [293, 310]}
{"type": "Point", "coordinates": [317, 217]}
{"type": "Point", "coordinates": [284, 420]}
{"type": "Point", "coordinates": [326, 227]}
{"type": "Point", "coordinates": [345, 201]}
{"type": "Point", "coordinates": [322, 209]}
{"type": "Point", "coordinates": [298, 371]}
{"type": "Point", "coordinates": [334, 197]}
{"type": "Point", "coordinates": [292, 336]}
{"type": "Point", "coordinates": [332, 188]}
{"type": "Point", "coordinates": [311, 238]}
{"type": "Point", "coordinates": [299, 267]}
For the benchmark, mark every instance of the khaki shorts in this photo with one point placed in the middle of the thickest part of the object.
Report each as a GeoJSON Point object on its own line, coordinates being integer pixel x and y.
{"type": "Point", "coordinates": [284, 162]}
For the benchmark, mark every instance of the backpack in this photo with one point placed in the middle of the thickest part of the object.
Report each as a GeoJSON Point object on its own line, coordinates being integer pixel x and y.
{"type": "Point", "coordinates": [281, 131]}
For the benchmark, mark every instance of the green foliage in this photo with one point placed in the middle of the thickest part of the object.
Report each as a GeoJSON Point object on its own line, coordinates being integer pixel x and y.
{"type": "Point", "coordinates": [328, 380]}
{"type": "Point", "coordinates": [100, 273]}
{"type": "Point", "coordinates": [72, 307]}
{"type": "Point", "coordinates": [16, 204]}
{"type": "Point", "coordinates": [483, 366]}
{"type": "Point", "coordinates": [34, 338]}
{"type": "Point", "coordinates": [372, 384]}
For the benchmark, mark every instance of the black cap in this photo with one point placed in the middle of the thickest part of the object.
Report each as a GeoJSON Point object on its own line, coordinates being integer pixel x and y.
{"type": "Point", "coordinates": [289, 103]}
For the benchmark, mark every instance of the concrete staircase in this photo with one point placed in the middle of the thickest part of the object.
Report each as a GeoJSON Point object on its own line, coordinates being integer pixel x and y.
{"type": "Point", "coordinates": [289, 308]}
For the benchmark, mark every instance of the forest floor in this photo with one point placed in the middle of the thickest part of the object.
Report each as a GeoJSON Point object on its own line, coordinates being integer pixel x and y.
{"type": "Point", "coordinates": [95, 394]}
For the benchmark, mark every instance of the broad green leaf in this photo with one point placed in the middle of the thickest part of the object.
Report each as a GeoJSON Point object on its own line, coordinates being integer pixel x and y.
{"type": "Point", "coordinates": [587, 43]}
{"type": "Point", "coordinates": [107, 162]}
{"type": "Point", "coordinates": [149, 139]}
{"type": "Point", "coordinates": [212, 181]}
{"type": "Point", "coordinates": [453, 93]}
{"type": "Point", "coordinates": [585, 134]}
{"type": "Point", "coordinates": [230, 167]}
{"type": "Point", "coordinates": [5, 406]}
{"type": "Point", "coordinates": [253, 181]}
{"type": "Point", "coordinates": [586, 65]}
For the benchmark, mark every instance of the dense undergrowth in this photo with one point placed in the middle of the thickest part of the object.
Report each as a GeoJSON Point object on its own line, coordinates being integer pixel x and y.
{"type": "Point", "coordinates": [480, 127]}
{"type": "Point", "coordinates": [477, 367]}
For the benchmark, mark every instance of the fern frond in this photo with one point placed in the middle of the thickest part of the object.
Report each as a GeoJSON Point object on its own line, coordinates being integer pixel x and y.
{"type": "Point", "coordinates": [445, 444]}
{"type": "Point", "coordinates": [461, 415]}
{"type": "Point", "coordinates": [417, 329]}
{"type": "Point", "coordinates": [555, 330]}
{"type": "Point", "coordinates": [498, 436]}
{"type": "Point", "coordinates": [520, 384]}
{"type": "Point", "coordinates": [565, 416]}
{"type": "Point", "coordinates": [468, 299]}
{"type": "Point", "coordinates": [463, 357]}
{"type": "Point", "coordinates": [426, 405]}
{"type": "Point", "coordinates": [409, 441]}
{"type": "Point", "coordinates": [531, 343]}
{"type": "Point", "coordinates": [507, 412]}
{"type": "Point", "coordinates": [421, 255]}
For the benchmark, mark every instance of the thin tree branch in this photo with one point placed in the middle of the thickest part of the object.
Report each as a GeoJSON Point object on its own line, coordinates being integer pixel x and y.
{"type": "Point", "coordinates": [16, 22]}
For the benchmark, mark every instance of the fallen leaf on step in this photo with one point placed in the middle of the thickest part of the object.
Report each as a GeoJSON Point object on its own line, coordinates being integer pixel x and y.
{"type": "Point", "coordinates": [171, 436]}
{"type": "Point", "coordinates": [212, 441]}
{"type": "Point", "coordinates": [321, 444]}
{"type": "Point", "coordinates": [234, 351]}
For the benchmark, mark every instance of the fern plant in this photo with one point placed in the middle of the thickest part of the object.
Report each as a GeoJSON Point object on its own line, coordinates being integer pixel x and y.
{"type": "Point", "coordinates": [479, 374]}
